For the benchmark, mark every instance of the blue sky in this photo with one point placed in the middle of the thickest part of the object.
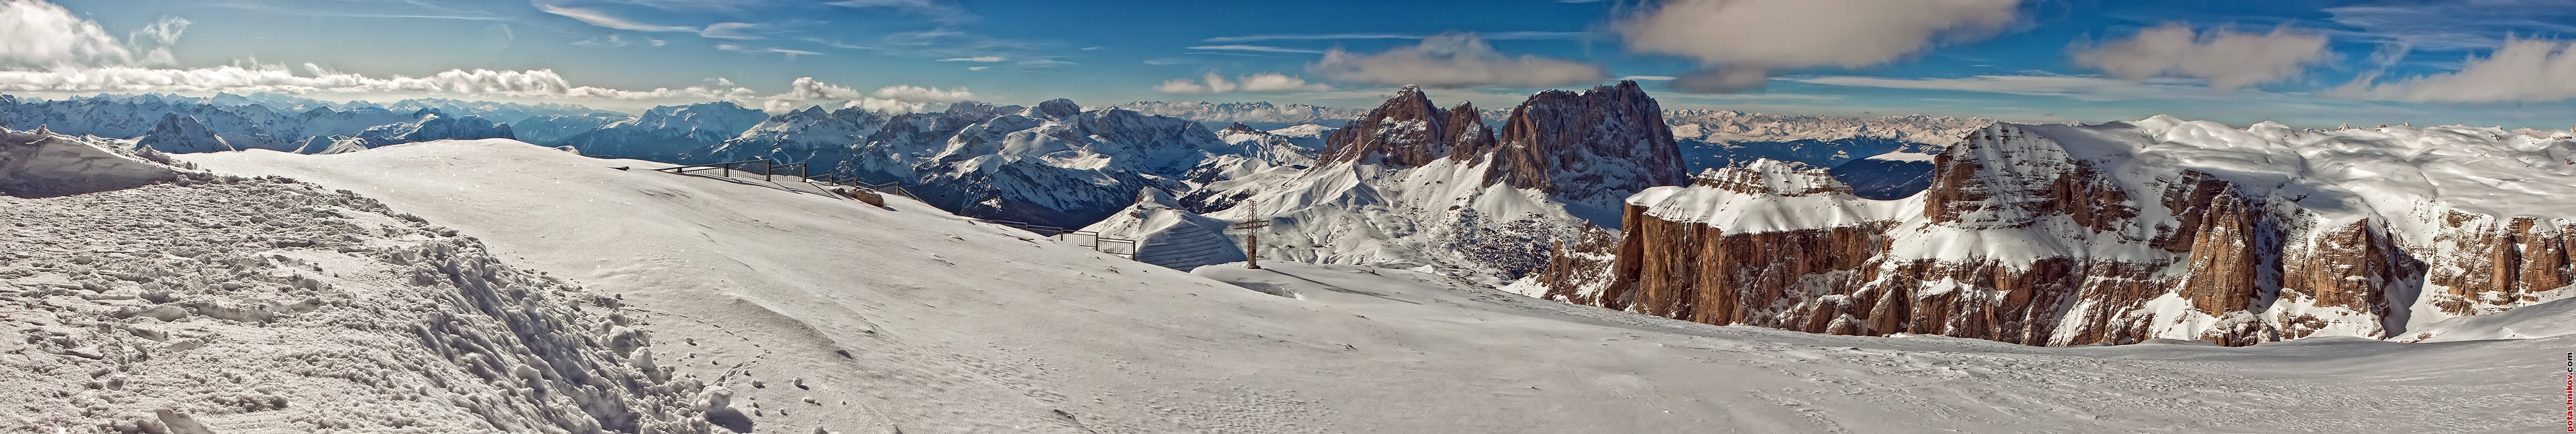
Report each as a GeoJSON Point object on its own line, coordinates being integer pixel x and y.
{"type": "Point", "coordinates": [2307, 63]}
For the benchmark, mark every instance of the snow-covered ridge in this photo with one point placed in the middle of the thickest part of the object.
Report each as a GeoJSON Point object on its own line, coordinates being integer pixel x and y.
{"type": "Point", "coordinates": [1720, 126]}
{"type": "Point", "coordinates": [211, 124]}
{"type": "Point", "coordinates": [43, 164]}
{"type": "Point", "coordinates": [1261, 114]}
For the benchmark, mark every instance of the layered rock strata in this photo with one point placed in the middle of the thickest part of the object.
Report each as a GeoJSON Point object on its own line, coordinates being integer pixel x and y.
{"type": "Point", "coordinates": [2120, 233]}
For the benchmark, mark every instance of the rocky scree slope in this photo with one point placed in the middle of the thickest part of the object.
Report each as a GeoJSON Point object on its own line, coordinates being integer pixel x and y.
{"type": "Point", "coordinates": [2116, 233]}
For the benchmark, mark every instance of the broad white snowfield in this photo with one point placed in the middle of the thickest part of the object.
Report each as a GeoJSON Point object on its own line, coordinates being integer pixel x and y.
{"type": "Point", "coordinates": [645, 301]}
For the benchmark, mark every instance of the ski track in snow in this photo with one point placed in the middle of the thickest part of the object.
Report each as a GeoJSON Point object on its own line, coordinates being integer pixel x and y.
{"type": "Point", "coordinates": [819, 312]}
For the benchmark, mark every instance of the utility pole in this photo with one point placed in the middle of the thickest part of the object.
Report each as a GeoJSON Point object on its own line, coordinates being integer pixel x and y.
{"type": "Point", "coordinates": [1252, 236]}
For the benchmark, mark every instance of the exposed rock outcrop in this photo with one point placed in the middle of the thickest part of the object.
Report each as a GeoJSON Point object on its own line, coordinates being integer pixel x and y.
{"type": "Point", "coordinates": [2057, 235]}
{"type": "Point", "coordinates": [1407, 131]}
{"type": "Point", "coordinates": [1593, 148]}
{"type": "Point", "coordinates": [1412, 185]}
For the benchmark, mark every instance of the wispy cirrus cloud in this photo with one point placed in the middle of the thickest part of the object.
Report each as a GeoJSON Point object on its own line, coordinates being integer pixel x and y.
{"type": "Point", "coordinates": [2463, 25]}
{"type": "Point", "coordinates": [1258, 48]}
{"type": "Point", "coordinates": [1491, 36]}
{"type": "Point", "coordinates": [729, 30]}
{"type": "Point", "coordinates": [940, 11]}
{"type": "Point", "coordinates": [603, 19]}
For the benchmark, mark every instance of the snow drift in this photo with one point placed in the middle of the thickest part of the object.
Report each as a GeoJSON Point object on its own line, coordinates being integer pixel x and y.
{"type": "Point", "coordinates": [39, 163]}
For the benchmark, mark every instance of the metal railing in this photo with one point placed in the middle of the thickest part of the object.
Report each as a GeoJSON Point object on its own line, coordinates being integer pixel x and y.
{"type": "Point", "coordinates": [1099, 243]}
{"type": "Point", "coordinates": [767, 169]}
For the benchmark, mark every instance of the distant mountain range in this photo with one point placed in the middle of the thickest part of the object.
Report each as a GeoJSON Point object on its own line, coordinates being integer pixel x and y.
{"type": "Point", "coordinates": [210, 124]}
{"type": "Point", "coordinates": [1107, 154]}
{"type": "Point", "coordinates": [2034, 234]}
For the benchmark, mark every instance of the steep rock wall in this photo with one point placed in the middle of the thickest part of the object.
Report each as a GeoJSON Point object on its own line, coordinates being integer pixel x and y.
{"type": "Point", "coordinates": [2047, 235]}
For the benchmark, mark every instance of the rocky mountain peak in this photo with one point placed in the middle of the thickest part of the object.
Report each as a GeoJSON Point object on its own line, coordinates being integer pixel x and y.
{"type": "Point", "coordinates": [182, 134]}
{"type": "Point", "coordinates": [1594, 147]}
{"type": "Point", "coordinates": [1409, 131]}
{"type": "Point", "coordinates": [1239, 128]}
{"type": "Point", "coordinates": [1058, 108]}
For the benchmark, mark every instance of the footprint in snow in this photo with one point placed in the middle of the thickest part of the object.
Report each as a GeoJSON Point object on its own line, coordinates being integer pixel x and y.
{"type": "Point", "coordinates": [943, 261]}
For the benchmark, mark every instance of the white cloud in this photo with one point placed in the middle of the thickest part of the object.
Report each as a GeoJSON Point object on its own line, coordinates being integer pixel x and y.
{"type": "Point", "coordinates": [1211, 83]}
{"type": "Point", "coordinates": [1260, 82]}
{"type": "Point", "coordinates": [1742, 41]}
{"type": "Point", "coordinates": [1453, 60]}
{"type": "Point", "coordinates": [315, 79]}
{"type": "Point", "coordinates": [977, 59]}
{"type": "Point", "coordinates": [729, 31]}
{"type": "Point", "coordinates": [807, 91]}
{"type": "Point", "coordinates": [1260, 48]}
{"type": "Point", "coordinates": [791, 54]}
{"type": "Point", "coordinates": [597, 18]}
{"type": "Point", "coordinates": [923, 94]}
{"type": "Point", "coordinates": [1646, 78]}
{"type": "Point", "coordinates": [2069, 87]}
{"type": "Point", "coordinates": [1277, 82]}
{"type": "Point", "coordinates": [166, 31]}
{"type": "Point", "coordinates": [36, 34]}
{"type": "Point", "coordinates": [612, 40]}
{"type": "Point", "coordinates": [2521, 70]}
{"type": "Point", "coordinates": [2228, 59]}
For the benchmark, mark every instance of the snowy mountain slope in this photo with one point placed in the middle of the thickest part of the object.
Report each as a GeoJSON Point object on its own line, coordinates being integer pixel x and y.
{"type": "Point", "coordinates": [1411, 185]}
{"type": "Point", "coordinates": [183, 134]}
{"type": "Point", "coordinates": [495, 111]}
{"type": "Point", "coordinates": [43, 164]}
{"type": "Point", "coordinates": [1727, 126]}
{"type": "Point", "coordinates": [927, 323]}
{"type": "Point", "coordinates": [2130, 231]}
{"type": "Point", "coordinates": [809, 135]}
{"type": "Point", "coordinates": [684, 135]}
{"type": "Point", "coordinates": [267, 305]}
{"type": "Point", "coordinates": [1257, 114]}
{"type": "Point", "coordinates": [1167, 235]}
{"type": "Point", "coordinates": [428, 125]}
{"type": "Point", "coordinates": [241, 125]}
{"type": "Point", "coordinates": [1309, 136]}
{"type": "Point", "coordinates": [1055, 164]}
{"type": "Point", "coordinates": [553, 130]}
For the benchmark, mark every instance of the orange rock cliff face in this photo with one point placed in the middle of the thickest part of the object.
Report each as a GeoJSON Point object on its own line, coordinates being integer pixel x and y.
{"type": "Point", "coordinates": [2022, 238]}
